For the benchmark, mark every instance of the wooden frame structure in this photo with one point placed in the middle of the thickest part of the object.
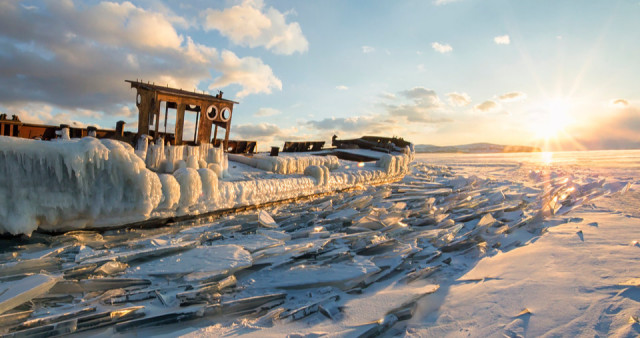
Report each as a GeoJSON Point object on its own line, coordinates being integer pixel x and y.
{"type": "Point", "coordinates": [210, 111]}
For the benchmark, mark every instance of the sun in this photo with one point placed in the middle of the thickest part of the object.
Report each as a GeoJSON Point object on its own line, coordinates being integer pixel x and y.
{"type": "Point", "coordinates": [552, 118]}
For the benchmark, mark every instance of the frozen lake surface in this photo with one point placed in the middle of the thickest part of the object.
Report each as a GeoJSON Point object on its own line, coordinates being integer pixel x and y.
{"type": "Point", "coordinates": [491, 244]}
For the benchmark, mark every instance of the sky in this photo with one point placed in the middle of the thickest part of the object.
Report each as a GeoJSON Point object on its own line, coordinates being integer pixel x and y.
{"type": "Point", "coordinates": [561, 75]}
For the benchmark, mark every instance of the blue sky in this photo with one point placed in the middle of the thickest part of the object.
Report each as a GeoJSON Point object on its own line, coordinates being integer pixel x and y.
{"type": "Point", "coordinates": [557, 74]}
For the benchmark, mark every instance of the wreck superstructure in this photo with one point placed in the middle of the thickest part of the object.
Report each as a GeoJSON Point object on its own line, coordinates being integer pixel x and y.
{"type": "Point", "coordinates": [211, 112]}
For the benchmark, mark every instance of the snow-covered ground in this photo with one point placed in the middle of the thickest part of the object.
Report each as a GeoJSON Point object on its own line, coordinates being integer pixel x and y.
{"type": "Point", "coordinates": [463, 245]}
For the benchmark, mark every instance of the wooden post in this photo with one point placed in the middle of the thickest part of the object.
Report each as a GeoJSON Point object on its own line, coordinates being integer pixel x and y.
{"type": "Point", "coordinates": [215, 135]}
{"type": "Point", "coordinates": [179, 123]}
{"type": "Point", "coordinates": [227, 130]}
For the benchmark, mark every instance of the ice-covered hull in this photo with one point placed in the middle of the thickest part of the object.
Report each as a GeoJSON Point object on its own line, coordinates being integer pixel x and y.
{"type": "Point", "coordinates": [89, 183]}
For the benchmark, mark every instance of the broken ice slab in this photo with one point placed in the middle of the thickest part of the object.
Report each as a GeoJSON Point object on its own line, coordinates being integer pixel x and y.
{"type": "Point", "coordinates": [127, 297]}
{"type": "Point", "coordinates": [85, 323]}
{"type": "Point", "coordinates": [112, 267]}
{"type": "Point", "coordinates": [251, 304]}
{"type": "Point", "coordinates": [53, 319]}
{"type": "Point", "coordinates": [421, 273]}
{"type": "Point", "coordinates": [206, 293]}
{"type": "Point", "coordinates": [164, 319]}
{"type": "Point", "coordinates": [9, 319]}
{"type": "Point", "coordinates": [253, 242]}
{"type": "Point", "coordinates": [140, 254]}
{"type": "Point", "coordinates": [343, 275]}
{"type": "Point", "coordinates": [14, 293]}
{"type": "Point", "coordinates": [265, 220]}
{"type": "Point", "coordinates": [379, 327]}
{"type": "Point", "coordinates": [224, 259]}
{"type": "Point", "coordinates": [30, 266]}
{"type": "Point", "coordinates": [309, 309]}
{"type": "Point", "coordinates": [102, 284]}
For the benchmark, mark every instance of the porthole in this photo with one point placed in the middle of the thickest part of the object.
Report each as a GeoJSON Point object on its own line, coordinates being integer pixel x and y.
{"type": "Point", "coordinates": [226, 114]}
{"type": "Point", "coordinates": [212, 113]}
{"type": "Point", "coordinates": [138, 99]}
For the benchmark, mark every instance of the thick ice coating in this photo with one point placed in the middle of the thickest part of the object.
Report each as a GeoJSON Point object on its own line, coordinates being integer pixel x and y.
{"type": "Point", "coordinates": [72, 183]}
{"type": "Point", "coordinates": [89, 183]}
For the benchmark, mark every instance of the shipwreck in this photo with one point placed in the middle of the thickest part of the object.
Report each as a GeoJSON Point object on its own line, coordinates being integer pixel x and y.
{"type": "Point", "coordinates": [60, 178]}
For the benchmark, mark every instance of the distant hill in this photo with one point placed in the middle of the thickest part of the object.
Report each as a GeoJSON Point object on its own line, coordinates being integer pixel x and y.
{"type": "Point", "coordinates": [475, 148]}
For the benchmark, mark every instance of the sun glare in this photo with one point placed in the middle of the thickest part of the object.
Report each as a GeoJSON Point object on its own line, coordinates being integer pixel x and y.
{"type": "Point", "coordinates": [553, 118]}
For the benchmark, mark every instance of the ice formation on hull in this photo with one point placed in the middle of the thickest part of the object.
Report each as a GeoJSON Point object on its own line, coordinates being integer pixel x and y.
{"type": "Point", "coordinates": [73, 184]}
{"type": "Point", "coordinates": [86, 183]}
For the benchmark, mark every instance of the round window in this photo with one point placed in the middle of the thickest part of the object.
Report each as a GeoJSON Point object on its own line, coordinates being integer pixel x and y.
{"type": "Point", "coordinates": [212, 113]}
{"type": "Point", "coordinates": [226, 114]}
{"type": "Point", "coordinates": [138, 99]}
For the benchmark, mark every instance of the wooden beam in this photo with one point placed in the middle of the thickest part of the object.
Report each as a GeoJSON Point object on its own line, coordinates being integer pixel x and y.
{"type": "Point", "coordinates": [179, 123]}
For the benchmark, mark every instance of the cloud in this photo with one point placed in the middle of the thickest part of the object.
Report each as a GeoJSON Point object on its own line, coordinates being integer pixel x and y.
{"type": "Point", "coordinates": [502, 40]}
{"type": "Point", "coordinates": [423, 108]}
{"type": "Point", "coordinates": [249, 72]}
{"type": "Point", "coordinates": [424, 97]}
{"type": "Point", "coordinates": [486, 106]}
{"type": "Point", "coordinates": [440, 48]}
{"type": "Point", "coordinates": [77, 57]}
{"type": "Point", "coordinates": [342, 87]}
{"type": "Point", "coordinates": [617, 130]}
{"type": "Point", "coordinates": [388, 96]}
{"type": "Point", "coordinates": [251, 24]}
{"type": "Point", "coordinates": [368, 49]}
{"type": "Point", "coordinates": [354, 125]}
{"type": "Point", "coordinates": [619, 103]}
{"type": "Point", "coordinates": [459, 99]}
{"type": "Point", "coordinates": [267, 112]}
{"type": "Point", "coordinates": [512, 97]}
{"type": "Point", "coordinates": [260, 130]}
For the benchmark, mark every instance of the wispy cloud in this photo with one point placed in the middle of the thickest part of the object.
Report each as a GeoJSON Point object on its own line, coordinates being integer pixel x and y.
{"type": "Point", "coordinates": [441, 48]}
{"type": "Point", "coordinates": [342, 87]}
{"type": "Point", "coordinates": [502, 40]}
{"type": "Point", "coordinates": [267, 112]}
{"type": "Point", "coordinates": [368, 49]}
{"type": "Point", "coordinates": [512, 96]}
{"type": "Point", "coordinates": [459, 99]}
{"type": "Point", "coordinates": [619, 103]}
{"type": "Point", "coordinates": [486, 106]}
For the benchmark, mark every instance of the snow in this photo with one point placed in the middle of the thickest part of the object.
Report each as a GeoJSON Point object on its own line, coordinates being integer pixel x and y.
{"type": "Point", "coordinates": [462, 245]}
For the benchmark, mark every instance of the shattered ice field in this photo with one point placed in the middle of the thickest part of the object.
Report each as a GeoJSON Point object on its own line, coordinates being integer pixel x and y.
{"type": "Point", "coordinates": [480, 245]}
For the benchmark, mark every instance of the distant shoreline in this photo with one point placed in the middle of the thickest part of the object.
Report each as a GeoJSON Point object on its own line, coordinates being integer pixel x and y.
{"type": "Point", "coordinates": [476, 148]}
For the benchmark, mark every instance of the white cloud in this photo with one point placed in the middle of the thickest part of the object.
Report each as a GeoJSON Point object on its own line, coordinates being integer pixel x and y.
{"type": "Point", "coordinates": [79, 56]}
{"type": "Point", "coordinates": [267, 112]}
{"type": "Point", "coordinates": [249, 72]}
{"type": "Point", "coordinates": [421, 68]}
{"type": "Point", "coordinates": [459, 99]}
{"type": "Point", "coordinates": [342, 87]}
{"type": "Point", "coordinates": [502, 40]}
{"type": "Point", "coordinates": [512, 97]}
{"type": "Point", "coordinates": [486, 106]}
{"type": "Point", "coordinates": [441, 48]}
{"type": "Point", "coordinates": [251, 24]}
{"type": "Point", "coordinates": [423, 108]}
{"type": "Point", "coordinates": [368, 49]}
